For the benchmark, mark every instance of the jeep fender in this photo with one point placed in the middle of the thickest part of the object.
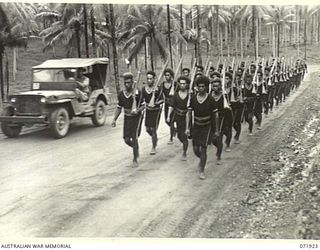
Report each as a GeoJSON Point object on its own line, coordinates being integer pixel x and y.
{"type": "Point", "coordinates": [98, 95]}
{"type": "Point", "coordinates": [68, 104]}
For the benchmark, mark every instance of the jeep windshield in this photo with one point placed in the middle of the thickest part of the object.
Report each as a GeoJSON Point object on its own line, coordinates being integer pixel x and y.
{"type": "Point", "coordinates": [53, 75]}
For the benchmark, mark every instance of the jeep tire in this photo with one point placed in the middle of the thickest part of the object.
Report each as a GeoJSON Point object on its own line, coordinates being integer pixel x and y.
{"type": "Point", "coordinates": [10, 129]}
{"type": "Point", "coordinates": [59, 122]}
{"type": "Point", "coordinates": [100, 114]}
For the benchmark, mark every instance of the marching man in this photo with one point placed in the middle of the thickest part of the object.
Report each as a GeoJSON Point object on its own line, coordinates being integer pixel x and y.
{"type": "Point", "coordinates": [152, 95]}
{"type": "Point", "coordinates": [130, 99]}
{"type": "Point", "coordinates": [179, 108]}
{"type": "Point", "coordinates": [202, 105]}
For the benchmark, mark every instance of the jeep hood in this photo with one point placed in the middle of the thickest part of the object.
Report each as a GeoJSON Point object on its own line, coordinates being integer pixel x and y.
{"type": "Point", "coordinates": [56, 94]}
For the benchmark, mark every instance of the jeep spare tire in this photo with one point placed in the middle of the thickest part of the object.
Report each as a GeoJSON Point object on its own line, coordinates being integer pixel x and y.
{"type": "Point", "coordinates": [100, 114]}
{"type": "Point", "coordinates": [8, 128]}
{"type": "Point", "coordinates": [59, 122]}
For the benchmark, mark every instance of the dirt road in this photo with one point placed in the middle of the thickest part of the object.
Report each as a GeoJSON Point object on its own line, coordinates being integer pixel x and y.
{"type": "Point", "coordinates": [84, 186]}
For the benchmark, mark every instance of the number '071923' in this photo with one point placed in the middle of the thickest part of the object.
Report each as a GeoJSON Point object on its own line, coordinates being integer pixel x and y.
{"type": "Point", "coordinates": [309, 246]}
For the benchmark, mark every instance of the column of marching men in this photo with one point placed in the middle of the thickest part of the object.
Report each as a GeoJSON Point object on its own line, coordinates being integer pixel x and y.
{"type": "Point", "coordinates": [208, 104]}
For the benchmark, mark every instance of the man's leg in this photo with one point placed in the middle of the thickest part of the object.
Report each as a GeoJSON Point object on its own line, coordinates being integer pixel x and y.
{"type": "Point", "coordinates": [203, 161]}
{"type": "Point", "coordinates": [135, 147]}
{"type": "Point", "coordinates": [128, 141]}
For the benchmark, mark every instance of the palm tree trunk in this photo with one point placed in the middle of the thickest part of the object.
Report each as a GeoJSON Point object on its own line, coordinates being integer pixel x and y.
{"type": "Point", "coordinates": [114, 48]}
{"type": "Point", "coordinates": [93, 34]}
{"type": "Point", "coordinates": [221, 43]}
{"type": "Point", "coordinates": [241, 39]}
{"type": "Point", "coordinates": [151, 52]}
{"type": "Point", "coordinates": [273, 41]}
{"type": "Point", "coordinates": [278, 47]}
{"type": "Point", "coordinates": [254, 31]}
{"type": "Point", "coordinates": [246, 36]}
{"type": "Point", "coordinates": [14, 63]}
{"type": "Point", "coordinates": [257, 39]}
{"type": "Point", "coordinates": [290, 33]}
{"type": "Point", "coordinates": [7, 75]}
{"type": "Point", "coordinates": [199, 36]}
{"type": "Point", "coordinates": [305, 36]}
{"type": "Point", "coordinates": [181, 28]}
{"type": "Point", "coordinates": [146, 53]}
{"type": "Point", "coordinates": [236, 39]}
{"type": "Point", "coordinates": [169, 34]}
{"type": "Point", "coordinates": [226, 38]}
{"type": "Point", "coordinates": [85, 19]}
{"type": "Point", "coordinates": [311, 30]}
{"type": "Point", "coordinates": [217, 25]}
{"type": "Point", "coordinates": [1, 76]}
{"type": "Point", "coordinates": [211, 31]}
{"type": "Point", "coordinates": [78, 42]}
{"type": "Point", "coordinates": [318, 35]}
{"type": "Point", "coordinates": [298, 29]}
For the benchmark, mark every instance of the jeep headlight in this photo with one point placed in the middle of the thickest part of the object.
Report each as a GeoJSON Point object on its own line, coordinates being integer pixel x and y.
{"type": "Point", "coordinates": [43, 100]}
{"type": "Point", "coordinates": [36, 85]}
{"type": "Point", "coordinates": [13, 99]}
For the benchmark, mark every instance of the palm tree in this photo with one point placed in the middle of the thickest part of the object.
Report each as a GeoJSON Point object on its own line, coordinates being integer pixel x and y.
{"type": "Point", "coordinates": [12, 36]}
{"type": "Point", "coordinates": [281, 18]}
{"type": "Point", "coordinates": [47, 14]}
{"type": "Point", "coordinates": [147, 25]}
{"type": "Point", "coordinates": [85, 20]}
{"type": "Point", "coordinates": [254, 12]}
{"type": "Point", "coordinates": [169, 34]}
{"type": "Point", "coordinates": [67, 31]}
{"type": "Point", "coordinates": [192, 36]}
{"type": "Point", "coordinates": [308, 12]}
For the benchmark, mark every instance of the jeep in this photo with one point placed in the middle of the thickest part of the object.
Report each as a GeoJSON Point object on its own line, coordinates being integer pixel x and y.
{"type": "Point", "coordinates": [53, 98]}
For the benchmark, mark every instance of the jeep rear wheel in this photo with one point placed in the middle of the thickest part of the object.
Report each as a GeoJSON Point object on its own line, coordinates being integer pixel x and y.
{"type": "Point", "coordinates": [59, 122]}
{"type": "Point", "coordinates": [100, 114]}
{"type": "Point", "coordinates": [8, 128]}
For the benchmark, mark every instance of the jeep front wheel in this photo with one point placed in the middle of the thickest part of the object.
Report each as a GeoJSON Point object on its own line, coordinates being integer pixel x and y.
{"type": "Point", "coordinates": [59, 122]}
{"type": "Point", "coordinates": [10, 129]}
{"type": "Point", "coordinates": [100, 114]}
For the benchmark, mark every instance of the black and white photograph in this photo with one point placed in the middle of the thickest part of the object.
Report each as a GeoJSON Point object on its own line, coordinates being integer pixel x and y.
{"type": "Point", "coordinates": [160, 120]}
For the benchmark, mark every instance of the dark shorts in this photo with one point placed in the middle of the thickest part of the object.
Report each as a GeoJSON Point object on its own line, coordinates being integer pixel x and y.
{"type": "Point", "coordinates": [201, 135]}
{"type": "Point", "coordinates": [152, 118]}
{"type": "Point", "coordinates": [258, 105]}
{"type": "Point", "coordinates": [181, 127]}
{"type": "Point", "coordinates": [132, 126]}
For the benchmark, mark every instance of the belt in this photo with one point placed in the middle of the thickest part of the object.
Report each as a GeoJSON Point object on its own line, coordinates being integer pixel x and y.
{"type": "Point", "coordinates": [127, 112]}
{"type": "Point", "coordinates": [152, 108]}
{"type": "Point", "coordinates": [202, 120]}
{"type": "Point", "coordinates": [180, 112]}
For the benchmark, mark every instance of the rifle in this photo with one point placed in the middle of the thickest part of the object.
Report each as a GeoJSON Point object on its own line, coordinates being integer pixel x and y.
{"type": "Point", "coordinates": [206, 64]}
{"type": "Point", "coordinates": [233, 99]}
{"type": "Point", "coordinates": [208, 69]}
{"type": "Point", "coordinates": [207, 74]}
{"type": "Point", "coordinates": [271, 73]}
{"type": "Point", "coordinates": [172, 90]}
{"type": "Point", "coordinates": [152, 100]}
{"type": "Point", "coordinates": [134, 103]}
{"type": "Point", "coordinates": [193, 74]}
{"type": "Point", "coordinates": [263, 86]}
{"type": "Point", "coordinates": [254, 80]}
{"type": "Point", "coordinates": [225, 102]}
{"type": "Point", "coordinates": [218, 64]}
{"type": "Point", "coordinates": [281, 70]}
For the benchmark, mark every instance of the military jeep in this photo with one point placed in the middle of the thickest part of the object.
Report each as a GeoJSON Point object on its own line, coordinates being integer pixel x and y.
{"type": "Point", "coordinates": [53, 98]}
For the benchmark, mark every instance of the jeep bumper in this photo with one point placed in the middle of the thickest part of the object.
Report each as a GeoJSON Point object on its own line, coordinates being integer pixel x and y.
{"type": "Point", "coordinates": [24, 119]}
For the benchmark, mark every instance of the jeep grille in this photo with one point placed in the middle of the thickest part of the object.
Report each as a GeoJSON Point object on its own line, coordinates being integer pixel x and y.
{"type": "Point", "coordinates": [29, 105]}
